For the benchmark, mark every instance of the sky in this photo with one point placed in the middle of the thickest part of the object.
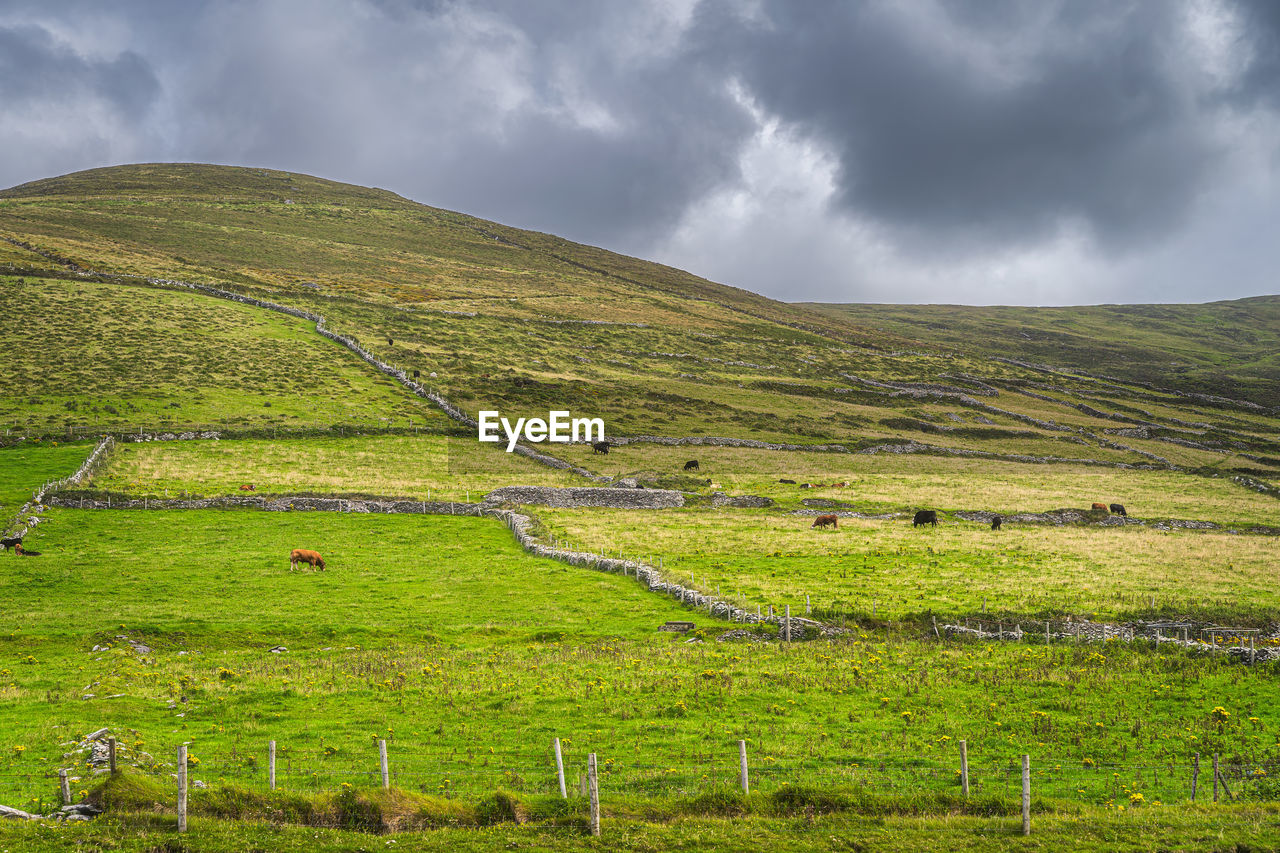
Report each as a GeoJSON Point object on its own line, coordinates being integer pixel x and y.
{"type": "Point", "coordinates": [907, 151]}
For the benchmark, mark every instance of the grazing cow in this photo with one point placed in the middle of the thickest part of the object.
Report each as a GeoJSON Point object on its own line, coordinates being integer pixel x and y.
{"type": "Point", "coordinates": [600, 447]}
{"type": "Point", "coordinates": [23, 552]}
{"type": "Point", "coordinates": [805, 486]}
{"type": "Point", "coordinates": [996, 521]}
{"type": "Point", "coordinates": [1119, 509]}
{"type": "Point", "coordinates": [417, 373]}
{"type": "Point", "coordinates": [925, 516]}
{"type": "Point", "coordinates": [839, 485]}
{"type": "Point", "coordinates": [691, 465]}
{"type": "Point", "coordinates": [1102, 507]}
{"type": "Point", "coordinates": [247, 487]}
{"type": "Point", "coordinates": [302, 555]}
{"type": "Point", "coordinates": [789, 482]}
{"type": "Point", "coordinates": [824, 520]}
{"type": "Point", "coordinates": [10, 542]}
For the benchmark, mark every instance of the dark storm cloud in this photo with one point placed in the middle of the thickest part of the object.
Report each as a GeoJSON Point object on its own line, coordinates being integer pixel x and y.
{"type": "Point", "coordinates": [581, 119]}
{"type": "Point", "coordinates": [1262, 80]}
{"type": "Point", "coordinates": [37, 68]}
{"type": "Point", "coordinates": [942, 132]}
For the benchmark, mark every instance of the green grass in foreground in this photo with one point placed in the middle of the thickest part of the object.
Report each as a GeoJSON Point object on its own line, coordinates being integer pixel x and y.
{"type": "Point", "coordinates": [1202, 828]}
{"type": "Point", "coordinates": [469, 663]}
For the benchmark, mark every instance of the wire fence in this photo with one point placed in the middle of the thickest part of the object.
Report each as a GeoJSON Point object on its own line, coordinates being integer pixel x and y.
{"type": "Point", "coordinates": [654, 773]}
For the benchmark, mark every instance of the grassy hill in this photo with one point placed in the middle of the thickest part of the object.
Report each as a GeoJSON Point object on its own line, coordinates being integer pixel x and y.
{"type": "Point", "coordinates": [521, 321]}
{"type": "Point", "coordinates": [1229, 348]}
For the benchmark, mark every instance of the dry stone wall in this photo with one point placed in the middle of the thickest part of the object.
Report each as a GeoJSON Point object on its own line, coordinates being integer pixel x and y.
{"type": "Point", "coordinates": [587, 497]}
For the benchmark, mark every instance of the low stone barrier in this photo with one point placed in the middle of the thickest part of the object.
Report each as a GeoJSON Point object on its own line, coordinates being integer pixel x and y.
{"type": "Point", "coordinates": [587, 496]}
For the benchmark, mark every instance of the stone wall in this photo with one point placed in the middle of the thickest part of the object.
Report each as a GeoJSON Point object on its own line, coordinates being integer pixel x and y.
{"type": "Point", "coordinates": [587, 496]}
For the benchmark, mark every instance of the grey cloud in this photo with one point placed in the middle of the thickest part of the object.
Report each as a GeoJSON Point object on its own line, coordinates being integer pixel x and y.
{"type": "Point", "coordinates": [1095, 130]}
{"type": "Point", "coordinates": [1029, 142]}
{"type": "Point", "coordinates": [36, 68]}
{"type": "Point", "coordinates": [529, 113]}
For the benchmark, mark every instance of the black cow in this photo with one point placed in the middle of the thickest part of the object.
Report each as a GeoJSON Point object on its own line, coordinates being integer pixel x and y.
{"type": "Point", "coordinates": [996, 521]}
{"type": "Point", "coordinates": [1118, 509]}
{"type": "Point", "coordinates": [791, 482]}
{"type": "Point", "coordinates": [925, 516]}
{"type": "Point", "coordinates": [600, 447]}
{"type": "Point", "coordinates": [691, 465]}
{"type": "Point", "coordinates": [417, 373]}
{"type": "Point", "coordinates": [10, 542]}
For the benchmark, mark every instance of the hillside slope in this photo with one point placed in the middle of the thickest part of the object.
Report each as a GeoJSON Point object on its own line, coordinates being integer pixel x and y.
{"type": "Point", "coordinates": [522, 322]}
{"type": "Point", "coordinates": [1230, 348]}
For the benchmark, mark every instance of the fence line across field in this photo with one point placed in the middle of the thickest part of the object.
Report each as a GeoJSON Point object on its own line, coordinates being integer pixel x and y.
{"type": "Point", "coordinates": [542, 771]}
{"type": "Point", "coordinates": [1016, 779]}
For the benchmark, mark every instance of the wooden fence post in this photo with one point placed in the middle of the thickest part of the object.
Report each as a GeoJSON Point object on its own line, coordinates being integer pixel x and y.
{"type": "Point", "coordinates": [564, 794]}
{"type": "Point", "coordinates": [1195, 774]}
{"type": "Point", "coordinates": [742, 766]}
{"type": "Point", "coordinates": [64, 787]}
{"type": "Point", "coordinates": [111, 754]}
{"type": "Point", "coordinates": [271, 764]}
{"type": "Point", "coordinates": [382, 759]}
{"type": "Point", "coordinates": [594, 787]}
{"type": "Point", "coordinates": [182, 788]}
{"type": "Point", "coordinates": [964, 768]}
{"type": "Point", "coordinates": [1026, 794]}
{"type": "Point", "coordinates": [1215, 777]}
{"type": "Point", "coordinates": [787, 629]}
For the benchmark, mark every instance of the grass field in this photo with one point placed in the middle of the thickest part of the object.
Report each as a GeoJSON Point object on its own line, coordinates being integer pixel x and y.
{"type": "Point", "coordinates": [881, 482]}
{"type": "Point", "coordinates": [25, 467]}
{"type": "Point", "coordinates": [101, 356]}
{"type": "Point", "coordinates": [427, 466]}
{"type": "Point", "coordinates": [481, 648]}
{"type": "Point", "coordinates": [1224, 827]}
{"type": "Point", "coordinates": [763, 557]}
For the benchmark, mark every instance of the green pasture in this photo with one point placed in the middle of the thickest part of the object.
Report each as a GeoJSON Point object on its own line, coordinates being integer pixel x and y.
{"type": "Point", "coordinates": [226, 574]}
{"type": "Point", "coordinates": [762, 558]}
{"type": "Point", "coordinates": [421, 466]}
{"type": "Point", "coordinates": [91, 356]}
{"type": "Point", "coordinates": [440, 636]}
{"type": "Point", "coordinates": [26, 466]}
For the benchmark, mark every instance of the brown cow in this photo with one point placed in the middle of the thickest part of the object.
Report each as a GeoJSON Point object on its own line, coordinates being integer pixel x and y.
{"type": "Point", "coordinates": [302, 555]}
{"type": "Point", "coordinates": [1097, 505]}
{"type": "Point", "coordinates": [247, 487]}
{"type": "Point", "coordinates": [23, 552]}
{"type": "Point", "coordinates": [824, 520]}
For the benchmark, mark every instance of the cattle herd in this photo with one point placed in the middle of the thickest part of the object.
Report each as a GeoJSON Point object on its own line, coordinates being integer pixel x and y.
{"type": "Point", "coordinates": [926, 517]}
